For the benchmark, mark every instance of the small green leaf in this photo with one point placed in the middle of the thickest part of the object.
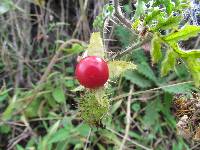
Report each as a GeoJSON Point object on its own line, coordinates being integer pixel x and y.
{"type": "Point", "coordinates": [137, 79]}
{"type": "Point", "coordinates": [116, 68]}
{"type": "Point", "coordinates": [168, 63]}
{"type": "Point", "coordinates": [7, 114]}
{"type": "Point", "coordinates": [195, 53]}
{"type": "Point", "coordinates": [58, 94]}
{"type": "Point", "coordinates": [136, 107]}
{"type": "Point", "coordinates": [169, 6]}
{"type": "Point", "coordinates": [115, 106]}
{"type": "Point", "coordinates": [169, 23]}
{"type": "Point", "coordinates": [5, 129]}
{"type": "Point", "coordinates": [140, 7]}
{"type": "Point", "coordinates": [60, 135]}
{"type": "Point", "coordinates": [83, 129]}
{"type": "Point", "coordinates": [185, 33]}
{"type": "Point", "coordinates": [19, 147]}
{"type": "Point", "coordinates": [75, 49]}
{"type": "Point", "coordinates": [95, 47]}
{"type": "Point", "coordinates": [151, 16]}
{"type": "Point", "coordinates": [144, 69]}
{"type": "Point", "coordinates": [156, 53]}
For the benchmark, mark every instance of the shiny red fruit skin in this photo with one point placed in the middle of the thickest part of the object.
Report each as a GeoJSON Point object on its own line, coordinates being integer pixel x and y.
{"type": "Point", "coordinates": [92, 72]}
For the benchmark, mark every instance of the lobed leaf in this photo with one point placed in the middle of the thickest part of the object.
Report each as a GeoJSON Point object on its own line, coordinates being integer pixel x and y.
{"type": "Point", "coordinates": [156, 53]}
{"type": "Point", "coordinates": [137, 79]}
{"type": "Point", "coordinates": [168, 63]}
{"type": "Point", "coordinates": [151, 16]}
{"type": "Point", "coordinates": [169, 23]}
{"type": "Point", "coordinates": [183, 34]}
{"type": "Point", "coordinates": [182, 53]}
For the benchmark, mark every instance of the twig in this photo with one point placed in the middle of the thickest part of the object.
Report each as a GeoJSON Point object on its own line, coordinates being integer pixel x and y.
{"type": "Point", "coordinates": [134, 46]}
{"type": "Point", "coordinates": [128, 139]}
{"type": "Point", "coordinates": [87, 140]}
{"type": "Point", "coordinates": [128, 118]}
{"type": "Point", "coordinates": [197, 43]}
{"type": "Point", "coordinates": [150, 90]}
{"type": "Point", "coordinates": [119, 15]}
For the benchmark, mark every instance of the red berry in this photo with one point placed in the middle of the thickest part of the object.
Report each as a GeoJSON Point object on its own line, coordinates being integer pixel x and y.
{"type": "Point", "coordinates": [92, 72]}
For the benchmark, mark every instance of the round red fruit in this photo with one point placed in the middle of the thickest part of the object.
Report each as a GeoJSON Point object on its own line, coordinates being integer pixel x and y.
{"type": "Point", "coordinates": [92, 72]}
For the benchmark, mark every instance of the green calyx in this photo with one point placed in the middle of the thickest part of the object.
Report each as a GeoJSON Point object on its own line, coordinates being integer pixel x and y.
{"type": "Point", "coordinates": [93, 107]}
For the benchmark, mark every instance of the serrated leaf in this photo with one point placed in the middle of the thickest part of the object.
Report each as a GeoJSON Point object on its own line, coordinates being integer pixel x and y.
{"type": "Point", "coordinates": [195, 53]}
{"type": "Point", "coordinates": [151, 113]}
{"type": "Point", "coordinates": [95, 47]}
{"type": "Point", "coordinates": [156, 53]}
{"type": "Point", "coordinates": [58, 94]}
{"type": "Point", "coordinates": [144, 69]}
{"type": "Point", "coordinates": [137, 79]}
{"type": "Point", "coordinates": [185, 33]}
{"type": "Point", "coordinates": [168, 63]}
{"type": "Point", "coordinates": [151, 16]}
{"type": "Point", "coordinates": [169, 23]}
{"type": "Point", "coordinates": [116, 68]}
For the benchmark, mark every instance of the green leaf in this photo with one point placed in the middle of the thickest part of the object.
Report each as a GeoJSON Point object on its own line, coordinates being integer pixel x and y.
{"type": "Point", "coordinates": [168, 63]}
{"type": "Point", "coordinates": [169, 23]}
{"type": "Point", "coordinates": [179, 88]}
{"type": "Point", "coordinates": [5, 129]}
{"type": "Point", "coordinates": [194, 67]}
{"type": "Point", "coordinates": [137, 79]}
{"type": "Point", "coordinates": [7, 114]}
{"type": "Point", "coordinates": [156, 53]}
{"type": "Point", "coordinates": [136, 107]}
{"type": "Point", "coordinates": [60, 135]}
{"type": "Point", "coordinates": [185, 33]}
{"type": "Point", "coordinates": [115, 106]}
{"type": "Point", "coordinates": [58, 94]}
{"type": "Point", "coordinates": [151, 16]}
{"type": "Point", "coordinates": [169, 6]}
{"type": "Point", "coordinates": [83, 129]}
{"type": "Point", "coordinates": [4, 94]}
{"type": "Point", "coordinates": [195, 53]}
{"type": "Point", "coordinates": [76, 48]}
{"type": "Point", "coordinates": [117, 68]}
{"type": "Point", "coordinates": [144, 69]}
{"type": "Point", "coordinates": [151, 113]}
{"type": "Point", "coordinates": [95, 47]}
{"type": "Point", "coordinates": [19, 147]}
{"type": "Point", "coordinates": [45, 143]}
{"type": "Point", "coordinates": [140, 7]}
